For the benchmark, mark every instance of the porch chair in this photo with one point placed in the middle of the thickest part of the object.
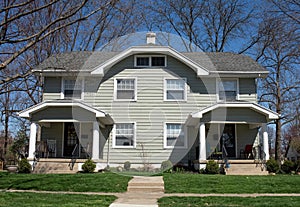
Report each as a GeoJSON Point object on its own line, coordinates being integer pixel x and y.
{"type": "Point", "coordinates": [51, 145]}
{"type": "Point", "coordinates": [247, 152]}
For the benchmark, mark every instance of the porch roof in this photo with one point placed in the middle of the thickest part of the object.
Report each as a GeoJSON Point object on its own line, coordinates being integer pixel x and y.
{"type": "Point", "coordinates": [224, 110]}
{"type": "Point", "coordinates": [62, 107]}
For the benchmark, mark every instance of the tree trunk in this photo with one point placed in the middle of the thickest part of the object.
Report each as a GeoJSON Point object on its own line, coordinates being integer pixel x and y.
{"type": "Point", "coordinates": [278, 141]}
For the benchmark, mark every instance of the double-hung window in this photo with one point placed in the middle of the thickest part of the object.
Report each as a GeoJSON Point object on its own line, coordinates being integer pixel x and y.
{"type": "Point", "coordinates": [72, 88]}
{"type": "Point", "coordinates": [175, 136]}
{"type": "Point", "coordinates": [228, 90]}
{"type": "Point", "coordinates": [124, 135]}
{"type": "Point", "coordinates": [175, 89]}
{"type": "Point", "coordinates": [125, 89]}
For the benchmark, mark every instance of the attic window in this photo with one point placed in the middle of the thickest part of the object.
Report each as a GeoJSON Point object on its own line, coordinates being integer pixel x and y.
{"type": "Point", "coordinates": [150, 61]}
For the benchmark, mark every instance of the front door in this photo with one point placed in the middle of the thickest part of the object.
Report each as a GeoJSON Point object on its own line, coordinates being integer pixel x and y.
{"type": "Point", "coordinates": [70, 138]}
{"type": "Point", "coordinates": [227, 140]}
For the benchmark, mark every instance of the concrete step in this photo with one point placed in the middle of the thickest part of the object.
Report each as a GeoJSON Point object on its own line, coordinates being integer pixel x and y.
{"type": "Point", "coordinates": [246, 169]}
{"type": "Point", "coordinates": [148, 189]}
{"type": "Point", "coordinates": [146, 184]}
{"type": "Point", "coordinates": [53, 168]}
{"type": "Point", "coordinates": [143, 184]}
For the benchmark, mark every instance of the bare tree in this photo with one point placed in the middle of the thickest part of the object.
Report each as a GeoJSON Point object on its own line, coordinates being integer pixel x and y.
{"type": "Point", "coordinates": [290, 8]}
{"type": "Point", "coordinates": [210, 25]}
{"type": "Point", "coordinates": [15, 40]}
{"type": "Point", "coordinates": [278, 51]}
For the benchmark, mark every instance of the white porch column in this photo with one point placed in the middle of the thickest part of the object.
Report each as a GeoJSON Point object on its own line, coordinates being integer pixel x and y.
{"type": "Point", "coordinates": [202, 145]}
{"type": "Point", "coordinates": [265, 142]}
{"type": "Point", "coordinates": [96, 141]}
{"type": "Point", "coordinates": [32, 141]}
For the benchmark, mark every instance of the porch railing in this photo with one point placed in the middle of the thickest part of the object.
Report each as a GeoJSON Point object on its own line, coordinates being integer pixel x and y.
{"type": "Point", "coordinates": [73, 158]}
{"type": "Point", "coordinates": [36, 157]}
{"type": "Point", "coordinates": [259, 156]}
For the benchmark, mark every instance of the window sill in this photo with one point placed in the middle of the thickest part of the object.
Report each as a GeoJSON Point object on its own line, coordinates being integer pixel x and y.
{"type": "Point", "coordinates": [124, 147]}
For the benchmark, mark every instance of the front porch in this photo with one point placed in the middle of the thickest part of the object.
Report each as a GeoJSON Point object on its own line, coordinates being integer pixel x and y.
{"type": "Point", "coordinates": [66, 130]}
{"type": "Point", "coordinates": [232, 133]}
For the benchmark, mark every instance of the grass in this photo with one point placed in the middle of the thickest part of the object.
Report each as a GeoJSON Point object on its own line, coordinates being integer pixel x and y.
{"type": "Point", "coordinates": [98, 182]}
{"type": "Point", "coordinates": [229, 201]}
{"type": "Point", "coordinates": [53, 200]}
{"type": "Point", "coordinates": [199, 183]}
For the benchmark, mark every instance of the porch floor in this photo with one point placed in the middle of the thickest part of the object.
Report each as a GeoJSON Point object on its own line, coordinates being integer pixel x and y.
{"type": "Point", "coordinates": [242, 167]}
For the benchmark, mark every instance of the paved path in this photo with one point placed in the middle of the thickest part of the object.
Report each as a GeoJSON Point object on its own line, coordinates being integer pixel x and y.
{"type": "Point", "coordinates": [145, 191]}
{"type": "Point", "coordinates": [141, 192]}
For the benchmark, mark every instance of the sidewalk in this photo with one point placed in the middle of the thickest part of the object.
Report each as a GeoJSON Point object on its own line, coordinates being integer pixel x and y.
{"type": "Point", "coordinates": [145, 192]}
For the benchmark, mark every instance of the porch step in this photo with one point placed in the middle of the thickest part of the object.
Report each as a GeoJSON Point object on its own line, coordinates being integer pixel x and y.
{"type": "Point", "coordinates": [148, 184]}
{"type": "Point", "coordinates": [54, 168]}
{"type": "Point", "coordinates": [246, 169]}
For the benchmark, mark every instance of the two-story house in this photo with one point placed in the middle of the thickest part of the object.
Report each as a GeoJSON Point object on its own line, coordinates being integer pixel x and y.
{"type": "Point", "coordinates": [148, 104]}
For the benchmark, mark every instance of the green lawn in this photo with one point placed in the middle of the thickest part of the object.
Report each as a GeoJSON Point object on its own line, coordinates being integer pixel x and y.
{"type": "Point", "coordinates": [98, 182]}
{"type": "Point", "coordinates": [229, 201]}
{"type": "Point", "coordinates": [199, 183]}
{"type": "Point", "coordinates": [53, 200]}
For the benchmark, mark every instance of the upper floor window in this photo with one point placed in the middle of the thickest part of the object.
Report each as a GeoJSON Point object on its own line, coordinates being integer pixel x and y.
{"type": "Point", "coordinates": [72, 88]}
{"type": "Point", "coordinates": [175, 136]}
{"type": "Point", "coordinates": [125, 89]}
{"type": "Point", "coordinates": [124, 135]}
{"type": "Point", "coordinates": [175, 89]}
{"type": "Point", "coordinates": [149, 61]}
{"type": "Point", "coordinates": [228, 90]}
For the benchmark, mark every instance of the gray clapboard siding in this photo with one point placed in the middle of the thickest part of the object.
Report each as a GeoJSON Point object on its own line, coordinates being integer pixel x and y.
{"type": "Point", "coordinates": [150, 112]}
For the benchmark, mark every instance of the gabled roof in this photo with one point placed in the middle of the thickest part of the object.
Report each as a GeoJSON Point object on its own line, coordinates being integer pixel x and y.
{"type": "Point", "coordinates": [60, 102]}
{"type": "Point", "coordinates": [203, 63]}
{"type": "Point", "coordinates": [200, 70]}
{"type": "Point", "coordinates": [271, 115]}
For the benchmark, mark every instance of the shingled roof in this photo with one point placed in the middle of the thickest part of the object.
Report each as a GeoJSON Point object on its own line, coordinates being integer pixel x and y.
{"type": "Point", "coordinates": [213, 62]}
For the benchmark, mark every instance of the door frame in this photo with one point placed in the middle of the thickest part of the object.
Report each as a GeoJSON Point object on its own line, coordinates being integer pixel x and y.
{"type": "Point", "coordinates": [235, 137]}
{"type": "Point", "coordinates": [64, 136]}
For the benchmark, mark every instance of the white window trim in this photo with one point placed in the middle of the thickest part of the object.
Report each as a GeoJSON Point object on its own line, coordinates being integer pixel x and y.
{"type": "Point", "coordinates": [165, 136]}
{"type": "Point", "coordinates": [150, 61]}
{"type": "Point", "coordinates": [218, 80]}
{"type": "Point", "coordinates": [62, 92]}
{"type": "Point", "coordinates": [116, 88]}
{"type": "Point", "coordinates": [114, 136]}
{"type": "Point", "coordinates": [165, 90]}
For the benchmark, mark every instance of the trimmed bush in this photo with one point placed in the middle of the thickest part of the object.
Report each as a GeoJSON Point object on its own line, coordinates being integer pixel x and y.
{"type": "Point", "coordinates": [166, 166]}
{"type": "Point", "coordinates": [272, 166]}
{"type": "Point", "coordinates": [288, 166]}
{"type": "Point", "coordinates": [24, 166]}
{"type": "Point", "coordinates": [127, 165]}
{"type": "Point", "coordinates": [88, 166]}
{"type": "Point", "coordinates": [212, 167]}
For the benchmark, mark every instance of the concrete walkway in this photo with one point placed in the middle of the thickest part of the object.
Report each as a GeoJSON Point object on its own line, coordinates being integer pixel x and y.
{"type": "Point", "coordinates": [141, 192]}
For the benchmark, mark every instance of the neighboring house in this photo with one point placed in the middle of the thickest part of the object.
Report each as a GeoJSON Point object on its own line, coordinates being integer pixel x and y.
{"type": "Point", "coordinates": [148, 104]}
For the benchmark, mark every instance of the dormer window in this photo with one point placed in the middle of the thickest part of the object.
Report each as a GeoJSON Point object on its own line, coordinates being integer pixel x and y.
{"type": "Point", "coordinates": [150, 61]}
{"type": "Point", "coordinates": [72, 88]}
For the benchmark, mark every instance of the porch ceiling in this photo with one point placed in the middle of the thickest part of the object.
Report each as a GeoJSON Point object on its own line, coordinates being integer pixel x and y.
{"type": "Point", "coordinates": [235, 112]}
